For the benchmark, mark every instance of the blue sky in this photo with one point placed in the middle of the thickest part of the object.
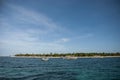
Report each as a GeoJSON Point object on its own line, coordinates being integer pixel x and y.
{"type": "Point", "coordinates": [44, 26]}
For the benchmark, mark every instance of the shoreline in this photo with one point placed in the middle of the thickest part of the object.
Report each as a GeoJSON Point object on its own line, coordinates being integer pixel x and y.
{"type": "Point", "coordinates": [67, 57]}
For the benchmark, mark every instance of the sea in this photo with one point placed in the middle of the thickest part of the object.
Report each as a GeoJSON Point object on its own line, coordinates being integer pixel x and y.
{"type": "Point", "coordinates": [12, 68]}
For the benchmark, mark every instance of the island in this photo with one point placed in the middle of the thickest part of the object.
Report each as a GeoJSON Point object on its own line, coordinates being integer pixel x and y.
{"type": "Point", "coordinates": [69, 55]}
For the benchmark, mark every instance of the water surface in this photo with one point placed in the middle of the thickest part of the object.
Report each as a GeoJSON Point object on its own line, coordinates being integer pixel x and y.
{"type": "Point", "coordinates": [59, 69]}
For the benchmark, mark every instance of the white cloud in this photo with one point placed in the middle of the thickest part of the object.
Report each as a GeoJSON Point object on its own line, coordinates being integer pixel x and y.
{"type": "Point", "coordinates": [65, 39]}
{"type": "Point", "coordinates": [62, 40]}
{"type": "Point", "coordinates": [32, 17]}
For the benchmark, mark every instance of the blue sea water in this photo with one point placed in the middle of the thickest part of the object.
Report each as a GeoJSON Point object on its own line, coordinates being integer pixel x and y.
{"type": "Point", "coordinates": [59, 69]}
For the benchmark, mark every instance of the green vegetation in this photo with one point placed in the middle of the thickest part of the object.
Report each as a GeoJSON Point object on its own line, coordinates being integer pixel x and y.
{"type": "Point", "coordinates": [70, 54]}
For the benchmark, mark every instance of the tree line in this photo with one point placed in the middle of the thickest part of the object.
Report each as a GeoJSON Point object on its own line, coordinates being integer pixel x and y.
{"type": "Point", "coordinates": [70, 54]}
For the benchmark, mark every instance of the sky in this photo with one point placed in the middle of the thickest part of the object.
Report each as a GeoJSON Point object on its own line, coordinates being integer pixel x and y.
{"type": "Point", "coordinates": [59, 26]}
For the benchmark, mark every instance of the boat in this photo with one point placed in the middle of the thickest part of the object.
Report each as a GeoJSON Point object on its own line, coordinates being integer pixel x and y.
{"type": "Point", "coordinates": [70, 57]}
{"type": "Point", "coordinates": [45, 59]}
{"type": "Point", "coordinates": [98, 57]}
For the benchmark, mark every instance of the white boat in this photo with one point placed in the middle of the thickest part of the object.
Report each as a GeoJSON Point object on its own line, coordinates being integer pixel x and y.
{"type": "Point", "coordinates": [45, 59]}
{"type": "Point", "coordinates": [70, 57]}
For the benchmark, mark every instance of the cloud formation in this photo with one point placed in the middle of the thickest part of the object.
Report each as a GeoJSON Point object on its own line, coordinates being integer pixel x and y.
{"type": "Point", "coordinates": [24, 30]}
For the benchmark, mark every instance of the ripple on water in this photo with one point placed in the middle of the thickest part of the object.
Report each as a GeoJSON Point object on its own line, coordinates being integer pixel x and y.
{"type": "Point", "coordinates": [59, 69]}
{"type": "Point", "coordinates": [61, 75]}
